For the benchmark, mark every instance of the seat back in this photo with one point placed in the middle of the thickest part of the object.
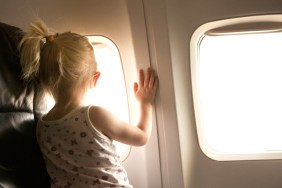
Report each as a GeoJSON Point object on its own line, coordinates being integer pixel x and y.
{"type": "Point", "coordinates": [21, 104]}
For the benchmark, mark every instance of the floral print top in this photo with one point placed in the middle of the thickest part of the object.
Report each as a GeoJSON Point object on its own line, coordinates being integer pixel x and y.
{"type": "Point", "coordinates": [77, 154]}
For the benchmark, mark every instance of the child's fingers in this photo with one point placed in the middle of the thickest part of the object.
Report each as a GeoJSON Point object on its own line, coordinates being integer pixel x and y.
{"type": "Point", "coordinates": [156, 83]}
{"type": "Point", "coordinates": [141, 78]}
{"type": "Point", "coordinates": [152, 79]}
{"type": "Point", "coordinates": [135, 87]}
{"type": "Point", "coordinates": [147, 77]}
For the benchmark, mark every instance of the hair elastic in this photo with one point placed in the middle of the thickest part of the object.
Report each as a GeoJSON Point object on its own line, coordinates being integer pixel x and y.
{"type": "Point", "coordinates": [49, 38]}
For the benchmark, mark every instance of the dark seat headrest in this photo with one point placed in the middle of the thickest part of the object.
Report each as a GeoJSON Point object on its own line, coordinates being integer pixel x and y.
{"type": "Point", "coordinates": [21, 104]}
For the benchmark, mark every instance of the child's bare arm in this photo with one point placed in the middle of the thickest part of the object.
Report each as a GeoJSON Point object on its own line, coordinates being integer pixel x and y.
{"type": "Point", "coordinates": [121, 131]}
{"type": "Point", "coordinates": [145, 93]}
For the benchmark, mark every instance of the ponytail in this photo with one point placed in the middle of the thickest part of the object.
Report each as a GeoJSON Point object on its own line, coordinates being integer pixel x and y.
{"type": "Point", "coordinates": [62, 63]}
{"type": "Point", "coordinates": [30, 47]}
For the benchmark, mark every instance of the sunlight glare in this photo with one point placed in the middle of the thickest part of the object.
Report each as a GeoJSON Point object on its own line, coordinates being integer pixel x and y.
{"type": "Point", "coordinates": [240, 92]}
{"type": "Point", "coordinates": [110, 91]}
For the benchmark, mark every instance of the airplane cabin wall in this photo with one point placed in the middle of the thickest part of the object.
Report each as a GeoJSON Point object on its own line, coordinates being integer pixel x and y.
{"type": "Point", "coordinates": [172, 28]}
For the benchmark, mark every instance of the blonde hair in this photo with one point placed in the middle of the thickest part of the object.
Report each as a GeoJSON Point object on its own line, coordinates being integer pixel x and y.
{"type": "Point", "coordinates": [62, 63]}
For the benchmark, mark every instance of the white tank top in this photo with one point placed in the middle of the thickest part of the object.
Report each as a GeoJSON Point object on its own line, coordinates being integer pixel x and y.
{"type": "Point", "coordinates": [77, 154]}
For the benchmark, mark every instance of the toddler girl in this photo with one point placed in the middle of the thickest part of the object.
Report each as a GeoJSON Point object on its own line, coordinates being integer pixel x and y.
{"type": "Point", "coordinates": [76, 140]}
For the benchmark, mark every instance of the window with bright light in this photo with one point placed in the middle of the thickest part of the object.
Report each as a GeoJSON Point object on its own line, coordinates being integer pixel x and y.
{"type": "Point", "coordinates": [237, 88]}
{"type": "Point", "coordinates": [110, 91]}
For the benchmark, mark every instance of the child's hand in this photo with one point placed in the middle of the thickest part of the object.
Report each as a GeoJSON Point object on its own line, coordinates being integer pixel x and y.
{"type": "Point", "coordinates": [145, 91]}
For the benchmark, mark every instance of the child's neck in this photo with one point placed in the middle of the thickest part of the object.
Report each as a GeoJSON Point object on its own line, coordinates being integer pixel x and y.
{"type": "Point", "coordinates": [60, 110]}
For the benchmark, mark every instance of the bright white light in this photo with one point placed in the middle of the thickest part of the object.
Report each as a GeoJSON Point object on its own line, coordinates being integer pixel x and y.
{"type": "Point", "coordinates": [240, 92]}
{"type": "Point", "coordinates": [110, 91]}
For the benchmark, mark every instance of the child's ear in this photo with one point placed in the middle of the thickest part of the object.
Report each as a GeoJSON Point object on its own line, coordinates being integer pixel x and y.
{"type": "Point", "coordinates": [96, 78]}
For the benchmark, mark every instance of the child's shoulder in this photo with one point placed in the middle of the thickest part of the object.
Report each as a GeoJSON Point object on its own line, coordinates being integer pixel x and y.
{"type": "Point", "coordinates": [98, 112]}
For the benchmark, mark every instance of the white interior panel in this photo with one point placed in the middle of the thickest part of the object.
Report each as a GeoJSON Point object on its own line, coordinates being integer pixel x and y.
{"type": "Point", "coordinates": [171, 26]}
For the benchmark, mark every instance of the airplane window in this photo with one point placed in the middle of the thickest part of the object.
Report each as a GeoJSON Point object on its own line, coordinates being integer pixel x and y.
{"type": "Point", "coordinates": [237, 85]}
{"type": "Point", "coordinates": [110, 91]}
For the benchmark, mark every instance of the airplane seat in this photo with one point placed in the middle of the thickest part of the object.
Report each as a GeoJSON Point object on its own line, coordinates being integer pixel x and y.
{"type": "Point", "coordinates": [21, 104]}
